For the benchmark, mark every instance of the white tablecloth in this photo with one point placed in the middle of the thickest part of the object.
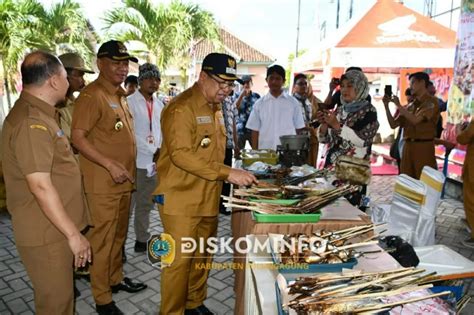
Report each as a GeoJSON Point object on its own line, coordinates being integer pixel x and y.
{"type": "Point", "coordinates": [260, 278]}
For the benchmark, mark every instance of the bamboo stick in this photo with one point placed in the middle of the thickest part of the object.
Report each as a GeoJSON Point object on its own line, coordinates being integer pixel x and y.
{"type": "Point", "coordinates": [350, 246]}
{"type": "Point", "coordinates": [406, 289]}
{"type": "Point", "coordinates": [353, 234]}
{"type": "Point", "coordinates": [415, 281]}
{"type": "Point", "coordinates": [345, 230]}
{"type": "Point", "coordinates": [392, 305]}
{"type": "Point", "coordinates": [332, 276]}
{"type": "Point", "coordinates": [380, 280]}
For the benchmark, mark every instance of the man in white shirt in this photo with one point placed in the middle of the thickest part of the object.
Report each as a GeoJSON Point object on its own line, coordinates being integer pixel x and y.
{"type": "Point", "coordinates": [274, 115]}
{"type": "Point", "coordinates": [146, 110]}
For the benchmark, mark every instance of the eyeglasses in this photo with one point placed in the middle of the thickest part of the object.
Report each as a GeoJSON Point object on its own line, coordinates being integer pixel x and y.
{"type": "Point", "coordinates": [302, 83]}
{"type": "Point", "coordinates": [222, 84]}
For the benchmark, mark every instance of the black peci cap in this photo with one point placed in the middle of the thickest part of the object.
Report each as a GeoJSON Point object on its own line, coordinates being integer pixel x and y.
{"type": "Point", "coordinates": [115, 50]}
{"type": "Point", "coordinates": [220, 65]}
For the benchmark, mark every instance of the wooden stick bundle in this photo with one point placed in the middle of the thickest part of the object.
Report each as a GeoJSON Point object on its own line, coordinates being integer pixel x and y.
{"type": "Point", "coordinates": [330, 295]}
{"type": "Point", "coordinates": [308, 205]}
{"type": "Point", "coordinates": [392, 305]}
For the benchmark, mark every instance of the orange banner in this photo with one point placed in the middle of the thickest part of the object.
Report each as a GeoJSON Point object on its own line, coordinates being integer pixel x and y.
{"type": "Point", "coordinates": [441, 78]}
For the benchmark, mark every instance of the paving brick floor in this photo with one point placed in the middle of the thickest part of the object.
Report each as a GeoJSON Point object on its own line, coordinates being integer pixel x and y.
{"type": "Point", "coordinates": [16, 295]}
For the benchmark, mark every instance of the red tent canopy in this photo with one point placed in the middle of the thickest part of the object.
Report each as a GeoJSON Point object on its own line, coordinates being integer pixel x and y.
{"type": "Point", "coordinates": [388, 35]}
{"type": "Point", "coordinates": [389, 24]}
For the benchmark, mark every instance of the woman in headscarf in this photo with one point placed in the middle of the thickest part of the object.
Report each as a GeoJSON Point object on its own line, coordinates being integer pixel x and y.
{"type": "Point", "coordinates": [350, 129]}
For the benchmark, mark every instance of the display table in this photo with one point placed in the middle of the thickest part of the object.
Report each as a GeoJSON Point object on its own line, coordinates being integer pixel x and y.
{"type": "Point", "coordinates": [447, 263]}
{"type": "Point", "coordinates": [260, 278]}
{"type": "Point", "coordinates": [243, 225]}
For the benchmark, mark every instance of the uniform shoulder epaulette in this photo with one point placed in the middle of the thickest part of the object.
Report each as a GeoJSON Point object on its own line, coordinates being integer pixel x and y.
{"type": "Point", "coordinates": [38, 126]}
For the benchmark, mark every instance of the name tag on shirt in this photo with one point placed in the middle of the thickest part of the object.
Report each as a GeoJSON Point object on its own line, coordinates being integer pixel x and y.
{"type": "Point", "coordinates": [203, 120]}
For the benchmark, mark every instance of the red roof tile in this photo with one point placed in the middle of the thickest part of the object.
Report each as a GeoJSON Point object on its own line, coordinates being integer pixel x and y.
{"type": "Point", "coordinates": [233, 46]}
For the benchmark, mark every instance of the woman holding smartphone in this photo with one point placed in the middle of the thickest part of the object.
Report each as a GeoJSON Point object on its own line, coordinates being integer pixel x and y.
{"type": "Point", "coordinates": [350, 129]}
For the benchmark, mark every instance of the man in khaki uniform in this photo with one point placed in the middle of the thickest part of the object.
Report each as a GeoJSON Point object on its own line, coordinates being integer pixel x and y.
{"type": "Point", "coordinates": [75, 68]}
{"type": "Point", "coordinates": [466, 137]}
{"type": "Point", "coordinates": [102, 131]}
{"type": "Point", "coordinates": [190, 174]}
{"type": "Point", "coordinates": [44, 189]}
{"type": "Point", "coordinates": [418, 120]}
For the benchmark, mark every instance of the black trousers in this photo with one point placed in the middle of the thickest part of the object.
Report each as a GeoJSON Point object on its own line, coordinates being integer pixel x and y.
{"type": "Point", "coordinates": [226, 186]}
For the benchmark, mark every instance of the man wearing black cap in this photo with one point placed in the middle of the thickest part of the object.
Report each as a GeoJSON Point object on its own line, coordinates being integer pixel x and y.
{"type": "Point", "coordinates": [245, 101]}
{"type": "Point", "coordinates": [102, 131]}
{"type": "Point", "coordinates": [275, 114]}
{"type": "Point", "coordinates": [146, 109]}
{"type": "Point", "coordinates": [190, 175]}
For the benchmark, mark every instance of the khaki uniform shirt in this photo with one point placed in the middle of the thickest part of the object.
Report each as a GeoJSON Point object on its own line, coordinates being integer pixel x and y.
{"type": "Point", "coordinates": [190, 175]}
{"type": "Point", "coordinates": [97, 110]}
{"type": "Point", "coordinates": [66, 118]}
{"type": "Point", "coordinates": [33, 142]}
{"type": "Point", "coordinates": [426, 130]}
{"type": "Point", "coordinates": [466, 137]}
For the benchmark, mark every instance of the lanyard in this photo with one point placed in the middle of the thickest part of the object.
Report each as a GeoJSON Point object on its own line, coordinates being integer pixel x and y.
{"type": "Point", "coordinates": [149, 107]}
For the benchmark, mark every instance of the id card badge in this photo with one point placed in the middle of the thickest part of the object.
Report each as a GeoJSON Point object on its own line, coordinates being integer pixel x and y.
{"type": "Point", "coordinates": [150, 139]}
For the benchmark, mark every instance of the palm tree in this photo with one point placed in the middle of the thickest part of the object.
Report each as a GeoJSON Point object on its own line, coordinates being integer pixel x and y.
{"type": "Point", "coordinates": [64, 28]}
{"type": "Point", "coordinates": [166, 32]}
{"type": "Point", "coordinates": [26, 25]}
{"type": "Point", "coordinates": [17, 22]}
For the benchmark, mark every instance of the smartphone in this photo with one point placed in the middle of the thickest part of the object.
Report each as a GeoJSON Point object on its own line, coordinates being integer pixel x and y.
{"type": "Point", "coordinates": [388, 90]}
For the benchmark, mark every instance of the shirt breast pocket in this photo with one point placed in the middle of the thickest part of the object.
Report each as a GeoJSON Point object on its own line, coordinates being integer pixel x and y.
{"type": "Point", "coordinates": [205, 139]}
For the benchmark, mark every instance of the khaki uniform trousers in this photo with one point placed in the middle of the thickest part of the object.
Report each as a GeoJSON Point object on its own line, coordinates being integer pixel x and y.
{"type": "Point", "coordinates": [184, 284]}
{"type": "Point", "coordinates": [50, 269]}
{"type": "Point", "coordinates": [468, 196]}
{"type": "Point", "coordinates": [417, 155]}
{"type": "Point", "coordinates": [109, 213]}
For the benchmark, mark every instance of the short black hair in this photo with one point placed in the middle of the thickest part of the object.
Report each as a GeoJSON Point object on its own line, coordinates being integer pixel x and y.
{"type": "Point", "coordinates": [430, 84]}
{"type": "Point", "coordinates": [420, 76]}
{"type": "Point", "coordinates": [354, 68]}
{"type": "Point", "coordinates": [276, 69]}
{"type": "Point", "coordinates": [299, 76]}
{"type": "Point", "coordinates": [131, 79]}
{"type": "Point", "coordinates": [38, 67]}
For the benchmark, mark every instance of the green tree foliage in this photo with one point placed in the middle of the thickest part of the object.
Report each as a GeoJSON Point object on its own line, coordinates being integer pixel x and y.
{"type": "Point", "coordinates": [167, 33]}
{"type": "Point", "coordinates": [25, 25]}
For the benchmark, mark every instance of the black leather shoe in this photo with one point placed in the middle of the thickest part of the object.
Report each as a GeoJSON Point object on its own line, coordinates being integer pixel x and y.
{"type": "Point", "coordinates": [140, 247]}
{"type": "Point", "coordinates": [200, 310]}
{"type": "Point", "coordinates": [224, 211]}
{"type": "Point", "coordinates": [129, 286]}
{"type": "Point", "coordinates": [108, 309]}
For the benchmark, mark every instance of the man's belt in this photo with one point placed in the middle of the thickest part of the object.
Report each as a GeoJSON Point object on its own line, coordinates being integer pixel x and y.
{"type": "Point", "coordinates": [418, 140]}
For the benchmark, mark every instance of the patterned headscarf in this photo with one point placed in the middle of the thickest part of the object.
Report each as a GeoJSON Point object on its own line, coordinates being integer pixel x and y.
{"type": "Point", "coordinates": [361, 86]}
